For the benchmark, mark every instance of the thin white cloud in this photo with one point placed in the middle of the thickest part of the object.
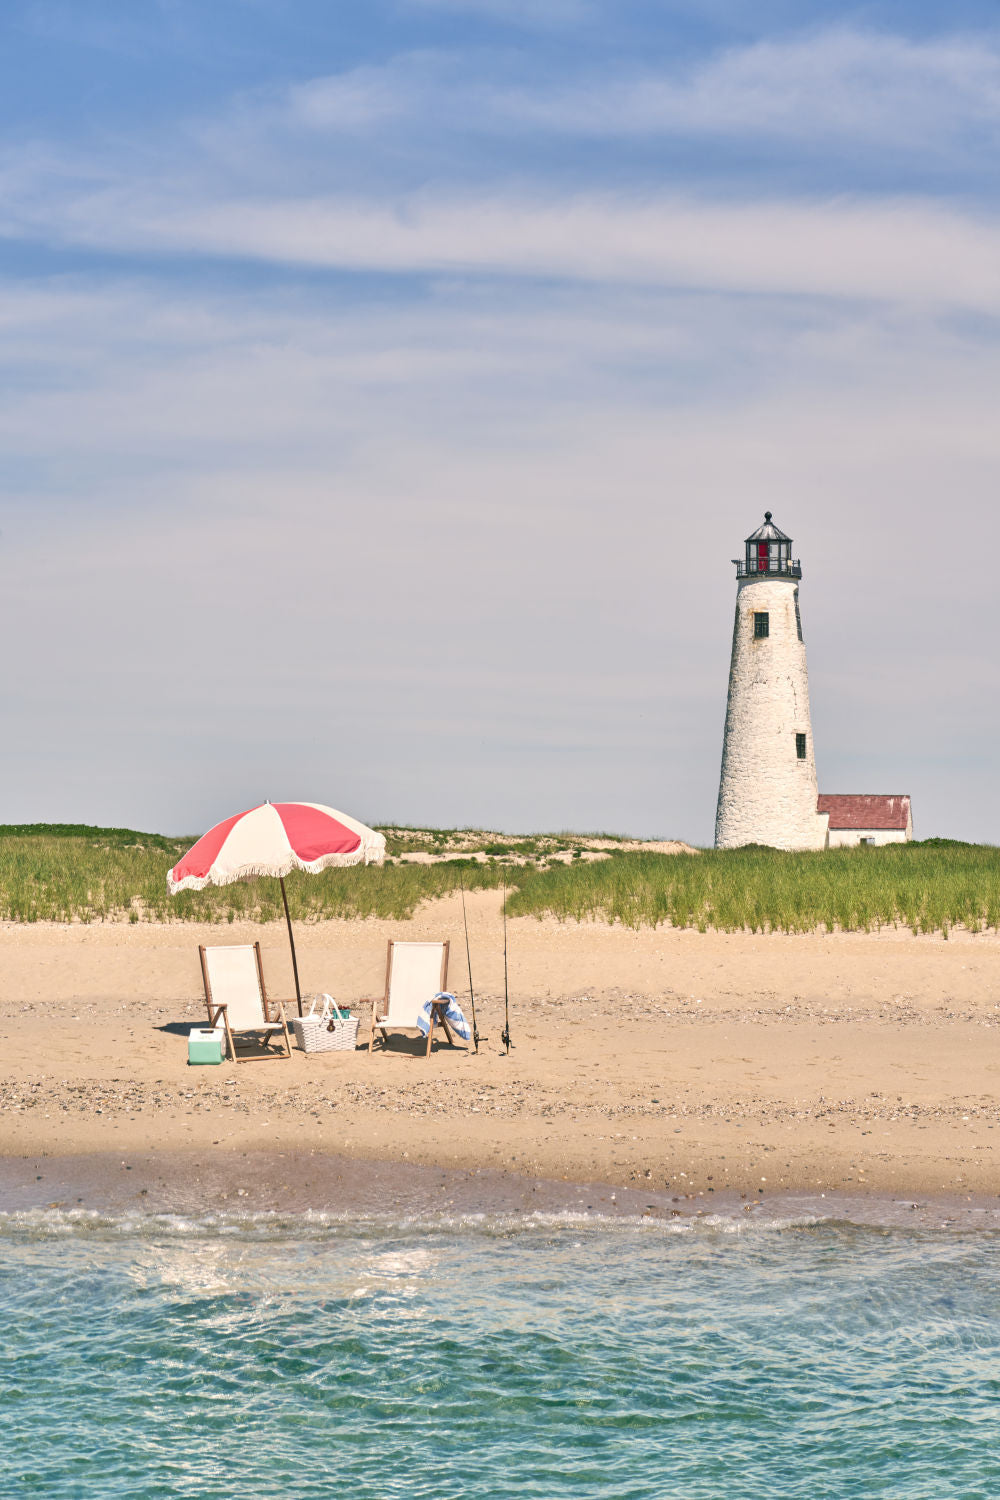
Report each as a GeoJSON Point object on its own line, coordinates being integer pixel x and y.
{"type": "Point", "coordinates": [905, 251]}
{"type": "Point", "coordinates": [373, 95]}
{"type": "Point", "coordinates": [841, 83]}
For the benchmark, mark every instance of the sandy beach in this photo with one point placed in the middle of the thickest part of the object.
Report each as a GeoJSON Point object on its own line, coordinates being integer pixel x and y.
{"type": "Point", "coordinates": [693, 1066]}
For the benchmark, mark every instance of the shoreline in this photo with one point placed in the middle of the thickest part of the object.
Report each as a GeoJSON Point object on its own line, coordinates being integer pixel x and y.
{"type": "Point", "coordinates": [280, 1189]}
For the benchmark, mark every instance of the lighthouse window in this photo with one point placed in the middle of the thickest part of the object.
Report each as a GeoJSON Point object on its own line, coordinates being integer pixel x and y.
{"type": "Point", "coordinates": [761, 624]}
{"type": "Point", "coordinates": [800, 746]}
{"type": "Point", "coordinates": [798, 617]}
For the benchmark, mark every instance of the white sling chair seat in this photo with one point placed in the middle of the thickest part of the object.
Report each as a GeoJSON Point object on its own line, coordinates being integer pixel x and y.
{"type": "Point", "coordinates": [235, 993]}
{"type": "Point", "coordinates": [414, 974]}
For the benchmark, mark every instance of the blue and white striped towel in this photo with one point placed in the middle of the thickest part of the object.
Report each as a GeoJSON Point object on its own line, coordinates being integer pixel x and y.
{"type": "Point", "coordinates": [455, 1018]}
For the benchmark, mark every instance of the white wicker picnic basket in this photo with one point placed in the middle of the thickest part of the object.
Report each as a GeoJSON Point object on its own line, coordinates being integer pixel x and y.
{"type": "Point", "coordinates": [326, 1028]}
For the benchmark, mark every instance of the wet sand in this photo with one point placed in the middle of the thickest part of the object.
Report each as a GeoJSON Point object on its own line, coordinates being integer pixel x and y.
{"type": "Point", "coordinates": [280, 1187]}
{"type": "Point", "coordinates": [692, 1069]}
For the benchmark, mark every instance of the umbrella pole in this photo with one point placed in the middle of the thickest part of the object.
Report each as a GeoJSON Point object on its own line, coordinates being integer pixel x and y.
{"type": "Point", "coordinates": [291, 944]}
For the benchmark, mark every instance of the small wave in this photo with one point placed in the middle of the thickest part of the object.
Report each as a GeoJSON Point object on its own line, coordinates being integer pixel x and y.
{"type": "Point", "coordinates": [316, 1224]}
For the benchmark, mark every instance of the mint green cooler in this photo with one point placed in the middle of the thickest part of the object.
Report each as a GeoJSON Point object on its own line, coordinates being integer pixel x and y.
{"type": "Point", "coordinates": [205, 1046]}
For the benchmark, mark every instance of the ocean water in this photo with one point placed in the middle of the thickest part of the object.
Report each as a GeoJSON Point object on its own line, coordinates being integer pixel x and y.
{"type": "Point", "coordinates": [532, 1356]}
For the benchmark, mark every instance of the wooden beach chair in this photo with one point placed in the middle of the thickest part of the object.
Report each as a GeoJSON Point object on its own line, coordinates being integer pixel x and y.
{"type": "Point", "coordinates": [234, 990]}
{"type": "Point", "coordinates": [414, 973]}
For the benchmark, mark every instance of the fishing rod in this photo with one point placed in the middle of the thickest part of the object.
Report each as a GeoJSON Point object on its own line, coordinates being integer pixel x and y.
{"type": "Point", "coordinates": [468, 959]}
{"type": "Point", "coordinates": [505, 1034]}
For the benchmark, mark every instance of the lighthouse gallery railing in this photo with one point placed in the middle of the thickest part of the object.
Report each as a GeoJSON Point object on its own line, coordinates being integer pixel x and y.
{"type": "Point", "coordinates": [785, 567]}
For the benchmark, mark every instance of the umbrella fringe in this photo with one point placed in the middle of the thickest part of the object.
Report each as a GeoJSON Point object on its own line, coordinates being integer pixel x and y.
{"type": "Point", "coordinates": [368, 853]}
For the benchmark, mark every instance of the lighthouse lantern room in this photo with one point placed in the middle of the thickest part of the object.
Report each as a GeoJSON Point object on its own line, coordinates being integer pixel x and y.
{"type": "Point", "coordinates": [769, 551]}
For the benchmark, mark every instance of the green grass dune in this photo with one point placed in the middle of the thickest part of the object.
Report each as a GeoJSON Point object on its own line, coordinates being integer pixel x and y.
{"type": "Point", "coordinates": [65, 873]}
{"type": "Point", "coordinates": [928, 887]}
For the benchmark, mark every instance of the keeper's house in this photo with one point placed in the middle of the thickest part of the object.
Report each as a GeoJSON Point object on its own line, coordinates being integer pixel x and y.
{"type": "Point", "coordinates": [866, 819]}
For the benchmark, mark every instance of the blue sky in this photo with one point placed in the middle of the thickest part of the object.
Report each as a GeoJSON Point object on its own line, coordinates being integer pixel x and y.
{"type": "Point", "coordinates": [385, 388]}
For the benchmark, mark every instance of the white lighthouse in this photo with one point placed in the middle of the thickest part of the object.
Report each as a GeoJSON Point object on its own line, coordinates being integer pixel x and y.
{"type": "Point", "coordinates": [767, 790]}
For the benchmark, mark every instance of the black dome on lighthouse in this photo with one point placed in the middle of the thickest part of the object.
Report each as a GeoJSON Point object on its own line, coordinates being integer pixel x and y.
{"type": "Point", "coordinates": [768, 532]}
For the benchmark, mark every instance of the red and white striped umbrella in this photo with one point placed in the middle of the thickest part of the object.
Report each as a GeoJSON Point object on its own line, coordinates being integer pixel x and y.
{"type": "Point", "coordinates": [275, 839]}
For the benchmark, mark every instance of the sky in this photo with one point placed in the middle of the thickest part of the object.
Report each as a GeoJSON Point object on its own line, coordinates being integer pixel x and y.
{"type": "Point", "coordinates": [386, 387]}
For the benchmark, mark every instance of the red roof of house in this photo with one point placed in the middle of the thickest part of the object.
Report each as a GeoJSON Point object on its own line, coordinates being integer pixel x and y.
{"type": "Point", "coordinates": [864, 810]}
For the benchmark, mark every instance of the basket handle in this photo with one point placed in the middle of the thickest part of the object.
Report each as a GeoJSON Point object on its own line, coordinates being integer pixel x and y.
{"type": "Point", "coordinates": [328, 1004]}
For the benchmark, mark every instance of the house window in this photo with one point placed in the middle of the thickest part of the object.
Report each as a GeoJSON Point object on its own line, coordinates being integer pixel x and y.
{"type": "Point", "coordinates": [798, 617]}
{"type": "Point", "coordinates": [800, 746]}
{"type": "Point", "coordinates": [761, 624]}
{"type": "Point", "coordinates": [868, 843]}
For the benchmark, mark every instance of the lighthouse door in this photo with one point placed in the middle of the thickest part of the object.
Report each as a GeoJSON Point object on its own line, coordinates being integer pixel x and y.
{"type": "Point", "coordinates": [762, 557]}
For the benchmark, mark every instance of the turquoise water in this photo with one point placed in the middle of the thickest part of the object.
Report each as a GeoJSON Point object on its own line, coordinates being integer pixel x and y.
{"type": "Point", "coordinates": [536, 1358]}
